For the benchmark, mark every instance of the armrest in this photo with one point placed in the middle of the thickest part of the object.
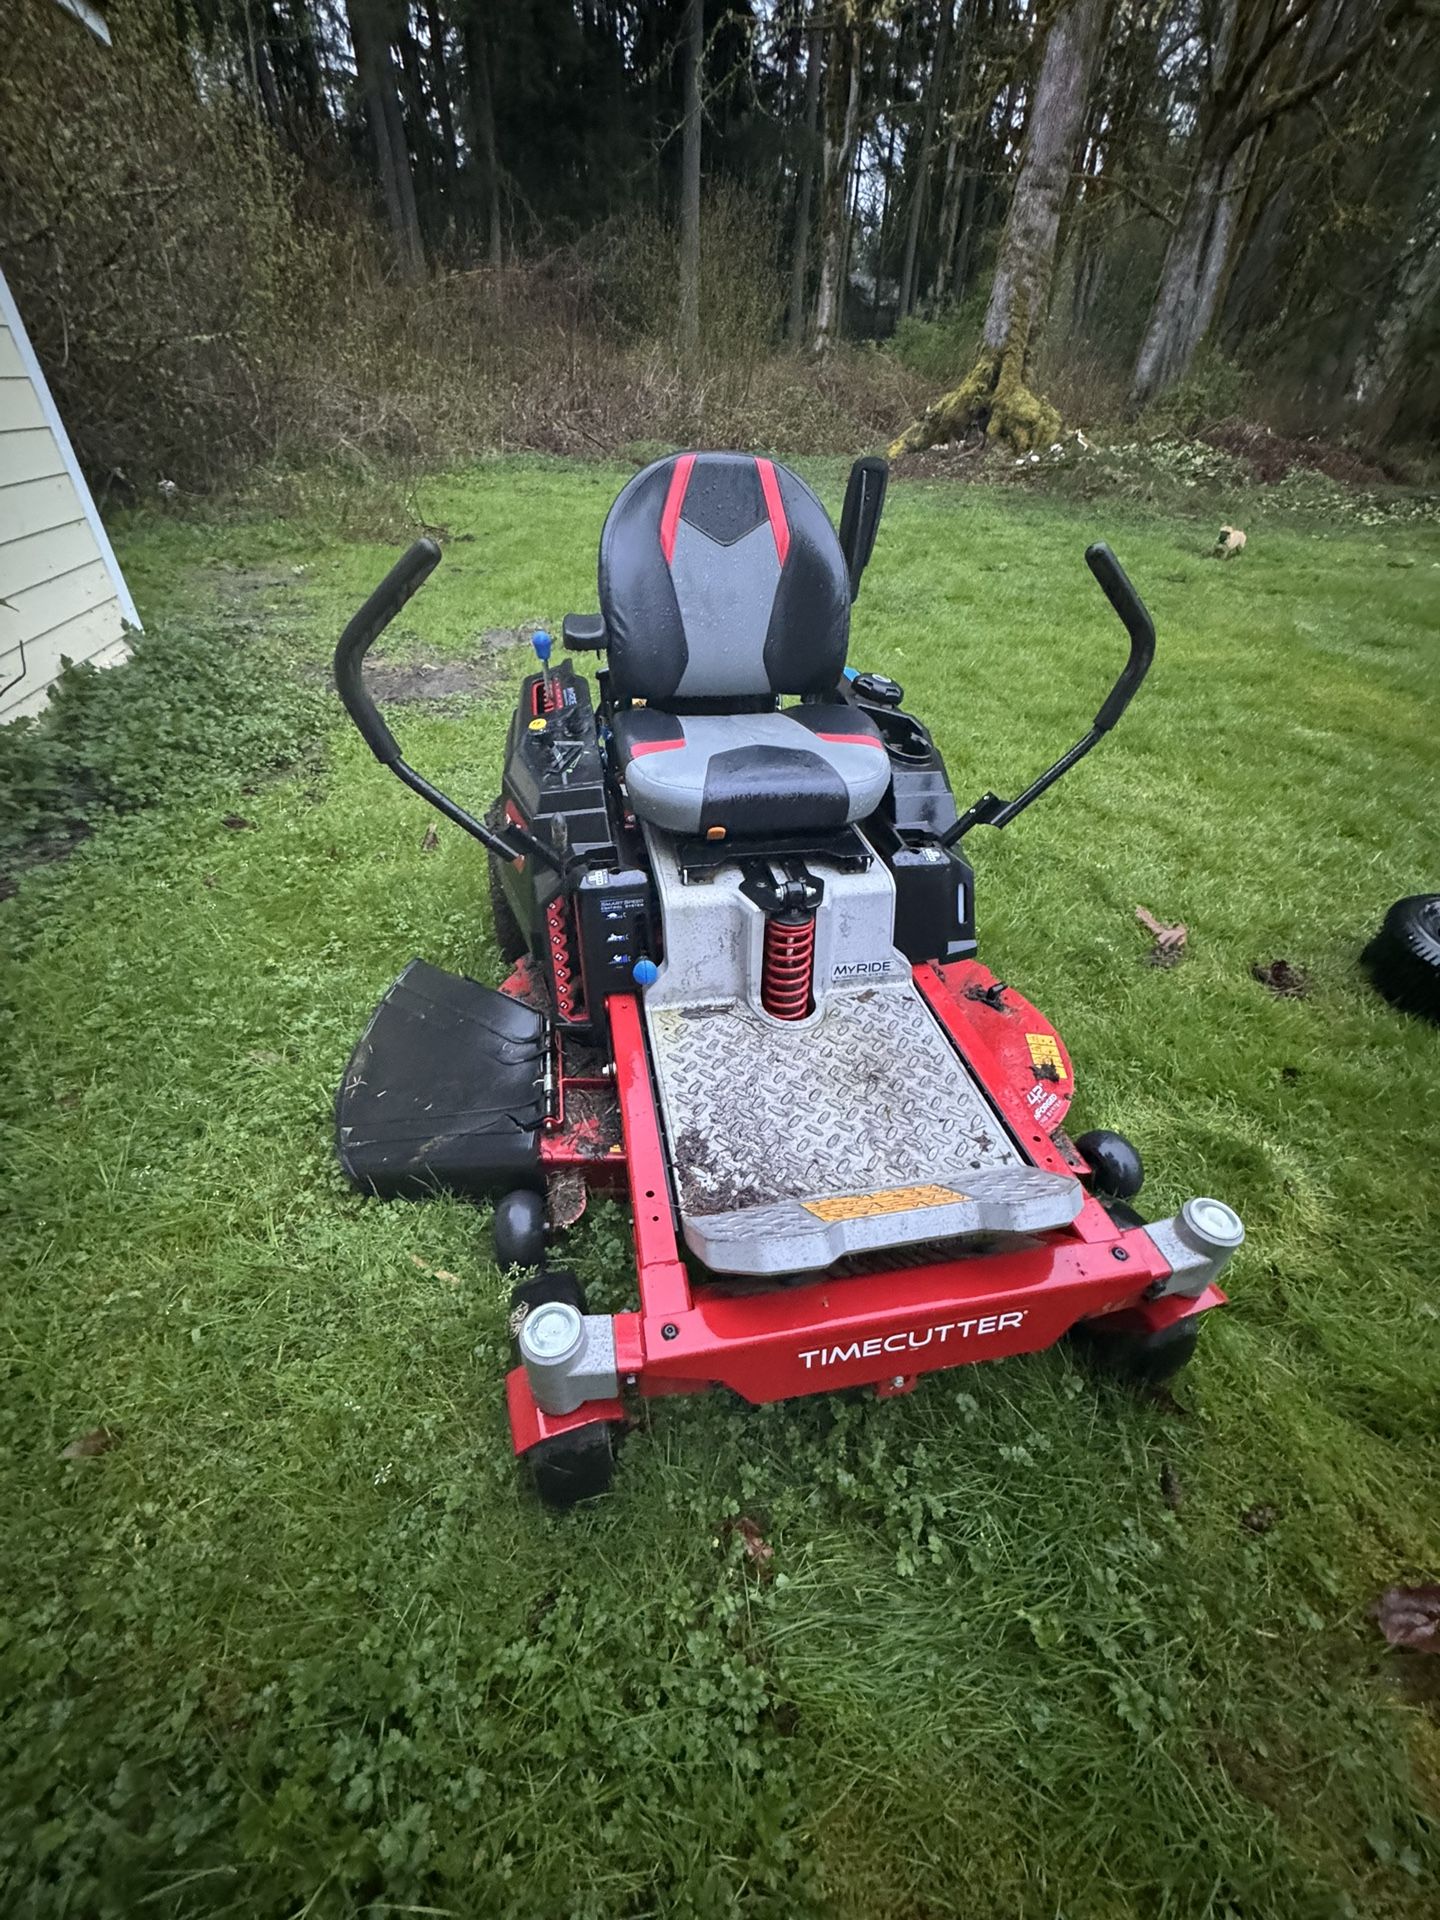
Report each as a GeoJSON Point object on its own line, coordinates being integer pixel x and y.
{"type": "Point", "coordinates": [583, 632]}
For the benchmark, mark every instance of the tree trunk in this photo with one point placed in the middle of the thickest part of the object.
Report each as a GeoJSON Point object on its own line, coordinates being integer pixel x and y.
{"type": "Point", "coordinates": [934, 87]}
{"type": "Point", "coordinates": [481, 102]}
{"type": "Point", "coordinates": [805, 191]}
{"type": "Point", "coordinates": [1192, 278]}
{"type": "Point", "coordinates": [375, 68]}
{"type": "Point", "coordinates": [1380, 371]}
{"type": "Point", "coordinates": [996, 390]}
{"type": "Point", "coordinates": [965, 250]}
{"type": "Point", "coordinates": [842, 123]}
{"type": "Point", "coordinates": [959, 175]}
{"type": "Point", "coordinates": [413, 111]}
{"type": "Point", "coordinates": [693, 56]}
{"type": "Point", "coordinates": [440, 88]}
{"type": "Point", "coordinates": [1264, 64]}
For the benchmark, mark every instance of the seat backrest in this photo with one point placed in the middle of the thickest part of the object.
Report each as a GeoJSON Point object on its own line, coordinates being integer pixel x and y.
{"type": "Point", "coordinates": [721, 578]}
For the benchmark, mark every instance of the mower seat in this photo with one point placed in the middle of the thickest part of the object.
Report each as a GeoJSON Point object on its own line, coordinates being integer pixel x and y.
{"type": "Point", "coordinates": [805, 770]}
{"type": "Point", "coordinates": [723, 588]}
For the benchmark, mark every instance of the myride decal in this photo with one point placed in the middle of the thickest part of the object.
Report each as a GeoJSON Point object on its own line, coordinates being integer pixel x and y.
{"type": "Point", "coordinates": [896, 1345]}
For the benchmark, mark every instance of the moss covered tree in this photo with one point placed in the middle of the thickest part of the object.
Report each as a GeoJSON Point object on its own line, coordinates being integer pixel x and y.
{"type": "Point", "coordinates": [996, 393]}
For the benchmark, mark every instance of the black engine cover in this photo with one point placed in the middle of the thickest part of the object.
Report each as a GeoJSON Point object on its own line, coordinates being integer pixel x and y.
{"type": "Point", "coordinates": [445, 1089]}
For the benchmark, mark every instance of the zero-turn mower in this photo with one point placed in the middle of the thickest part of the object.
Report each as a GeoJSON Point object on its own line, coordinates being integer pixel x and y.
{"type": "Point", "coordinates": [728, 872]}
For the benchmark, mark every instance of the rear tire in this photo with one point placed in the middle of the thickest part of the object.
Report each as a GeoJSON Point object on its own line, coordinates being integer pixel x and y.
{"type": "Point", "coordinates": [1403, 960]}
{"type": "Point", "coordinates": [509, 936]}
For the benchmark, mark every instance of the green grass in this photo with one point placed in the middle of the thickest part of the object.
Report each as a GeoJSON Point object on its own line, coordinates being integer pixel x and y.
{"type": "Point", "coordinates": [298, 1644]}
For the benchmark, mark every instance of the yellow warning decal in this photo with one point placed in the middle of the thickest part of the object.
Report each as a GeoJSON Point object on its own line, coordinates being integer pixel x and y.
{"type": "Point", "coordinates": [864, 1206]}
{"type": "Point", "coordinates": [1045, 1052]}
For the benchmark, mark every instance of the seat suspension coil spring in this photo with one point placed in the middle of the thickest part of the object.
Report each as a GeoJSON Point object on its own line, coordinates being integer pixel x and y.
{"type": "Point", "coordinates": [787, 975]}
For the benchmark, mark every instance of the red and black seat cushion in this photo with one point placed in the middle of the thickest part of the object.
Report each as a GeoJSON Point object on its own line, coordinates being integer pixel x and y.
{"type": "Point", "coordinates": [723, 587]}
{"type": "Point", "coordinates": [806, 770]}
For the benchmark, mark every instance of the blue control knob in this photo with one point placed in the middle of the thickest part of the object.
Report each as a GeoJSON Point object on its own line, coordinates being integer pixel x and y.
{"type": "Point", "coordinates": [542, 644]}
{"type": "Point", "coordinates": [645, 973]}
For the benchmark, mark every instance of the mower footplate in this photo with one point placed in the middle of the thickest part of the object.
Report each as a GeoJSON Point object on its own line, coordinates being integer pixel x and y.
{"type": "Point", "coordinates": [795, 1145]}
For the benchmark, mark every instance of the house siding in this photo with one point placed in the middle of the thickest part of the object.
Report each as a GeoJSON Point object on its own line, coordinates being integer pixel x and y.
{"type": "Point", "coordinates": [62, 595]}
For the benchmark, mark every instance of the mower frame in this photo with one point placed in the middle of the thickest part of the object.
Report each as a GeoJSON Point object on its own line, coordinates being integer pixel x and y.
{"type": "Point", "coordinates": [882, 1328]}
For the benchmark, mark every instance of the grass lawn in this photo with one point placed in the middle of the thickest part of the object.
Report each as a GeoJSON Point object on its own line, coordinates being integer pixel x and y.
{"type": "Point", "coordinates": [296, 1643]}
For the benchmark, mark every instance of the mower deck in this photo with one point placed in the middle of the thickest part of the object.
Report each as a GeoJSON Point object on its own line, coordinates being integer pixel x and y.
{"type": "Point", "coordinates": [899, 1144]}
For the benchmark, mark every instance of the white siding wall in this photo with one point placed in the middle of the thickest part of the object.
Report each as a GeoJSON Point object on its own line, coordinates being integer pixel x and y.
{"type": "Point", "coordinates": [61, 591]}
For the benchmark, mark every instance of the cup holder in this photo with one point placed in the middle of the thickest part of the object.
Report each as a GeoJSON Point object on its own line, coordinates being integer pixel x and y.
{"type": "Point", "coordinates": [905, 739]}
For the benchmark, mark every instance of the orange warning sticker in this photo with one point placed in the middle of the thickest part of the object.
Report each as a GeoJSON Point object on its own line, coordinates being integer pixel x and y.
{"type": "Point", "coordinates": [1045, 1052]}
{"type": "Point", "coordinates": [865, 1206]}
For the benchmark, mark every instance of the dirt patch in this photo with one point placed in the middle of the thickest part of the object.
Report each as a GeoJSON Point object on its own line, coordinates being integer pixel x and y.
{"type": "Point", "coordinates": [970, 458]}
{"type": "Point", "coordinates": [409, 682]}
{"type": "Point", "coordinates": [706, 1188]}
{"type": "Point", "coordinates": [1270, 456]}
{"type": "Point", "coordinates": [1283, 978]}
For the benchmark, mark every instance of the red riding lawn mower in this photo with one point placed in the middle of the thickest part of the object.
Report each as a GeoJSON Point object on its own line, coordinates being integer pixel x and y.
{"type": "Point", "coordinates": [745, 995]}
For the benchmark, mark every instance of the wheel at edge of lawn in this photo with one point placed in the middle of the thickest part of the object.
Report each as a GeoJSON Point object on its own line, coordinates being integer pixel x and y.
{"type": "Point", "coordinates": [1403, 960]}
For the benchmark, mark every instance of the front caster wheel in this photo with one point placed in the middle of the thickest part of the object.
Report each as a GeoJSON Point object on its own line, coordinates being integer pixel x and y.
{"type": "Point", "coordinates": [573, 1466]}
{"type": "Point", "coordinates": [1137, 1359]}
{"type": "Point", "coordinates": [554, 1283]}
{"type": "Point", "coordinates": [1116, 1169]}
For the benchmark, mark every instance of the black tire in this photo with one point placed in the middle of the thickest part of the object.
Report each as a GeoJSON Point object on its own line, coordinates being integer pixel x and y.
{"type": "Point", "coordinates": [1403, 960]}
{"type": "Point", "coordinates": [1116, 1170]}
{"type": "Point", "coordinates": [573, 1466]}
{"type": "Point", "coordinates": [509, 937]}
{"type": "Point", "coordinates": [1137, 1359]}
{"type": "Point", "coordinates": [519, 1230]}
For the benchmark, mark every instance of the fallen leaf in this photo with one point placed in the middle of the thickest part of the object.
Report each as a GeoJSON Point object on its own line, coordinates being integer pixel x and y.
{"type": "Point", "coordinates": [1260, 1519]}
{"type": "Point", "coordinates": [1284, 978]}
{"type": "Point", "coordinates": [237, 822]}
{"type": "Point", "coordinates": [1169, 940]}
{"type": "Point", "coordinates": [442, 1274]}
{"type": "Point", "coordinates": [98, 1440]}
{"type": "Point", "coordinates": [758, 1550]}
{"type": "Point", "coordinates": [1170, 1488]}
{"type": "Point", "coordinates": [430, 842]}
{"type": "Point", "coordinates": [417, 1261]}
{"type": "Point", "coordinates": [1410, 1617]}
{"type": "Point", "coordinates": [263, 1056]}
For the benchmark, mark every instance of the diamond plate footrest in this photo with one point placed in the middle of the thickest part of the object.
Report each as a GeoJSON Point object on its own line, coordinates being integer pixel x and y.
{"type": "Point", "coordinates": [801, 1236]}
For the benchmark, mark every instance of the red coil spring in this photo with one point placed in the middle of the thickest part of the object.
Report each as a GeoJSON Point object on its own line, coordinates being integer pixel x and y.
{"type": "Point", "coordinates": [786, 976]}
{"type": "Point", "coordinates": [567, 994]}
